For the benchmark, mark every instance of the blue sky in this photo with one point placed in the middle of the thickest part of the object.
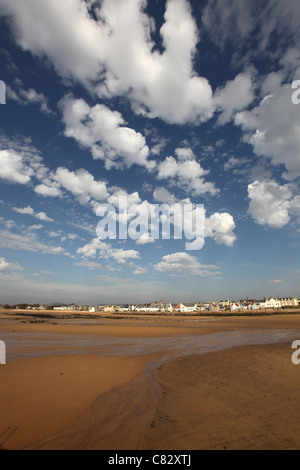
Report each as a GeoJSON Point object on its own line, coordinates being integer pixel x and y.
{"type": "Point", "coordinates": [172, 101]}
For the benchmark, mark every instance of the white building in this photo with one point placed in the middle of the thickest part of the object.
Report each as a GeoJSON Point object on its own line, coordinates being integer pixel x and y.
{"type": "Point", "coordinates": [167, 308]}
{"type": "Point", "coordinates": [272, 303]}
{"type": "Point", "coordinates": [188, 308]}
{"type": "Point", "coordinates": [254, 306]}
{"type": "Point", "coordinates": [147, 309]}
{"type": "Point", "coordinates": [234, 306]}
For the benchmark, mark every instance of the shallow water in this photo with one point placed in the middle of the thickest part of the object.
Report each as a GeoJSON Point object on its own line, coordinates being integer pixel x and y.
{"type": "Point", "coordinates": [120, 418]}
{"type": "Point", "coordinates": [24, 345]}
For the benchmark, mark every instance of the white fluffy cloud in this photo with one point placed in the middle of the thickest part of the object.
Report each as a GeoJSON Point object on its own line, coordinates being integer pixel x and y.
{"type": "Point", "coordinates": [112, 57]}
{"type": "Point", "coordinates": [186, 172]}
{"type": "Point", "coordinates": [220, 226]}
{"type": "Point", "coordinates": [163, 195]}
{"type": "Point", "coordinates": [234, 96]}
{"type": "Point", "coordinates": [29, 211]}
{"type": "Point", "coordinates": [186, 264]}
{"type": "Point", "coordinates": [100, 249]}
{"type": "Point", "coordinates": [81, 184]}
{"type": "Point", "coordinates": [270, 203]}
{"type": "Point", "coordinates": [118, 55]}
{"type": "Point", "coordinates": [105, 133]}
{"type": "Point", "coordinates": [48, 189]}
{"type": "Point", "coordinates": [122, 256]}
{"type": "Point", "coordinates": [167, 85]}
{"type": "Point", "coordinates": [20, 161]}
{"type": "Point", "coordinates": [13, 168]}
{"type": "Point", "coordinates": [158, 84]}
{"type": "Point", "coordinates": [118, 193]}
{"type": "Point", "coordinates": [272, 128]}
{"type": "Point", "coordinates": [145, 239]}
{"type": "Point", "coordinates": [61, 30]}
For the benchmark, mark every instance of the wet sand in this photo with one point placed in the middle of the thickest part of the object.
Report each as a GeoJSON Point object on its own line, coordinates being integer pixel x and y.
{"type": "Point", "coordinates": [239, 399]}
{"type": "Point", "coordinates": [154, 386]}
{"type": "Point", "coordinates": [41, 396]}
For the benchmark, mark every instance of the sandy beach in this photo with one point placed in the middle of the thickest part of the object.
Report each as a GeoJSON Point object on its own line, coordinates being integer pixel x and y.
{"type": "Point", "coordinates": [150, 383]}
{"type": "Point", "coordinates": [239, 399]}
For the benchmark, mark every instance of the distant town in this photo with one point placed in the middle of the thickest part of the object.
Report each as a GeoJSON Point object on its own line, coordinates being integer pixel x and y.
{"type": "Point", "coordinates": [169, 308]}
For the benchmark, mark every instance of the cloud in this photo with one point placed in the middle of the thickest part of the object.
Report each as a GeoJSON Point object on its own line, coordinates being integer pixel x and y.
{"type": "Point", "coordinates": [220, 226]}
{"type": "Point", "coordinates": [97, 248]}
{"type": "Point", "coordinates": [186, 172]}
{"type": "Point", "coordinates": [61, 30]}
{"type": "Point", "coordinates": [28, 97]}
{"type": "Point", "coordinates": [140, 270]}
{"type": "Point", "coordinates": [158, 84]}
{"type": "Point", "coordinates": [20, 161]}
{"type": "Point", "coordinates": [29, 211]}
{"type": "Point", "coordinates": [132, 198]}
{"type": "Point", "coordinates": [163, 195]}
{"type": "Point", "coordinates": [241, 24]}
{"type": "Point", "coordinates": [90, 250]}
{"type": "Point", "coordinates": [186, 264]}
{"type": "Point", "coordinates": [35, 227]}
{"type": "Point", "coordinates": [8, 268]}
{"type": "Point", "coordinates": [113, 58]}
{"type": "Point", "coordinates": [167, 85]}
{"type": "Point", "coordinates": [117, 58]}
{"type": "Point", "coordinates": [121, 256]}
{"type": "Point", "coordinates": [51, 189]}
{"type": "Point", "coordinates": [228, 21]}
{"type": "Point", "coordinates": [105, 133]}
{"type": "Point", "coordinates": [81, 184]}
{"type": "Point", "coordinates": [90, 265]}
{"type": "Point", "coordinates": [28, 242]}
{"type": "Point", "coordinates": [269, 203]}
{"type": "Point", "coordinates": [234, 96]}
{"type": "Point", "coordinates": [13, 167]}
{"type": "Point", "coordinates": [239, 165]}
{"type": "Point", "coordinates": [272, 127]}
{"type": "Point", "coordinates": [145, 239]}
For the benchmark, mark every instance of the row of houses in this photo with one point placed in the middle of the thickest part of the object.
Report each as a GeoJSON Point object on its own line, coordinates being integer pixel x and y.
{"type": "Point", "coordinates": [264, 304]}
{"type": "Point", "coordinates": [221, 306]}
{"type": "Point", "coordinates": [185, 307]}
